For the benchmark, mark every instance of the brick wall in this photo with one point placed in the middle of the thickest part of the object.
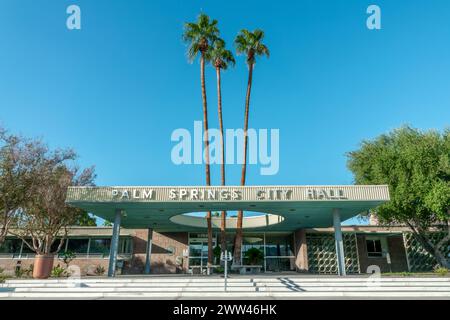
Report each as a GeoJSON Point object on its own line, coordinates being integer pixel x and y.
{"type": "Point", "coordinates": [396, 251]}
{"type": "Point", "coordinates": [162, 259]}
{"type": "Point", "coordinates": [86, 266]}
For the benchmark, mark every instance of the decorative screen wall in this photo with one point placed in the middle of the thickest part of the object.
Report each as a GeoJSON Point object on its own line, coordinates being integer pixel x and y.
{"type": "Point", "coordinates": [322, 253]}
{"type": "Point", "coordinates": [419, 260]}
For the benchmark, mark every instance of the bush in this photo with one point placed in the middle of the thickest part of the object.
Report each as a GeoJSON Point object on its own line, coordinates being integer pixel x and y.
{"type": "Point", "coordinates": [23, 272]}
{"type": "Point", "coordinates": [58, 272]}
{"type": "Point", "coordinates": [216, 253]}
{"type": "Point", "coordinates": [1, 270]}
{"type": "Point", "coordinates": [3, 277]}
{"type": "Point", "coordinates": [254, 256]}
{"type": "Point", "coordinates": [100, 270]}
{"type": "Point", "coordinates": [67, 257]}
{"type": "Point", "coordinates": [441, 271]}
{"type": "Point", "coordinates": [220, 269]}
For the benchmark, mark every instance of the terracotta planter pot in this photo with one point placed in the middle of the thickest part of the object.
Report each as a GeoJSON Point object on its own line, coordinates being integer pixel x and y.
{"type": "Point", "coordinates": [43, 265]}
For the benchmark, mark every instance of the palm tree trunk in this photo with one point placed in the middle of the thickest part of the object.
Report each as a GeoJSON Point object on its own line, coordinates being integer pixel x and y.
{"type": "Point", "coordinates": [223, 235]}
{"type": "Point", "coordinates": [206, 141]}
{"type": "Point", "coordinates": [238, 238]}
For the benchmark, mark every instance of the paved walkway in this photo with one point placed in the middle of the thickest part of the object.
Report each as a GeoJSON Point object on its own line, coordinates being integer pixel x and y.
{"type": "Point", "coordinates": [239, 287]}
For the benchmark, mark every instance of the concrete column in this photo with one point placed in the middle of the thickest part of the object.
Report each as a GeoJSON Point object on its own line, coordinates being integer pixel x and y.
{"type": "Point", "coordinates": [148, 254]}
{"type": "Point", "coordinates": [339, 242]}
{"type": "Point", "coordinates": [301, 251]}
{"type": "Point", "coordinates": [114, 244]}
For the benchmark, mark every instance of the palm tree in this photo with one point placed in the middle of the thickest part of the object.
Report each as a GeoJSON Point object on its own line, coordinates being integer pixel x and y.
{"type": "Point", "coordinates": [250, 44]}
{"type": "Point", "coordinates": [221, 58]}
{"type": "Point", "coordinates": [199, 35]}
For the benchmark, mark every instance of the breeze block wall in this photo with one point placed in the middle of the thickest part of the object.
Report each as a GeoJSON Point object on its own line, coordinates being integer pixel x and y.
{"type": "Point", "coordinates": [419, 260]}
{"type": "Point", "coordinates": [322, 253]}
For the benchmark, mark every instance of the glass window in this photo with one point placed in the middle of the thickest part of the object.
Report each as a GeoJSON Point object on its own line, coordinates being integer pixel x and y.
{"type": "Point", "coordinates": [279, 245]}
{"type": "Point", "coordinates": [11, 246]}
{"type": "Point", "coordinates": [280, 264]}
{"type": "Point", "coordinates": [195, 250]}
{"type": "Point", "coordinates": [78, 246]}
{"type": "Point", "coordinates": [250, 241]}
{"type": "Point", "coordinates": [205, 249]}
{"type": "Point", "coordinates": [195, 261]}
{"type": "Point", "coordinates": [374, 248]}
{"type": "Point", "coordinates": [100, 246]}
{"type": "Point", "coordinates": [125, 245]}
{"type": "Point", "coordinates": [26, 249]}
{"type": "Point", "coordinates": [55, 245]}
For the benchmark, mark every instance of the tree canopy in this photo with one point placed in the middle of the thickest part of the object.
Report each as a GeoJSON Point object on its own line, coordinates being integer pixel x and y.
{"type": "Point", "coordinates": [199, 35]}
{"type": "Point", "coordinates": [33, 186]}
{"type": "Point", "coordinates": [250, 43]}
{"type": "Point", "coordinates": [416, 166]}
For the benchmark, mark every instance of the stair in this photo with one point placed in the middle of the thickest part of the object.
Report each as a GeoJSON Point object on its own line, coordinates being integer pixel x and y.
{"type": "Point", "coordinates": [265, 287]}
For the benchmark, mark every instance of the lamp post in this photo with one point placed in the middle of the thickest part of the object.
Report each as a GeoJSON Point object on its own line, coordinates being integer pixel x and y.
{"type": "Point", "coordinates": [225, 257]}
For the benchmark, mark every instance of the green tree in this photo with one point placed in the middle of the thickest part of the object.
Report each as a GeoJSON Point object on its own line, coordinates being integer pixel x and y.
{"type": "Point", "coordinates": [199, 35]}
{"type": "Point", "coordinates": [416, 166]}
{"type": "Point", "coordinates": [221, 58]}
{"type": "Point", "coordinates": [86, 220]}
{"type": "Point", "coordinates": [251, 44]}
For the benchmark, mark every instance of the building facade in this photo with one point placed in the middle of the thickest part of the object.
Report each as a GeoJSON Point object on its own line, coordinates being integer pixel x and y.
{"type": "Point", "coordinates": [298, 230]}
{"type": "Point", "coordinates": [305, 250]}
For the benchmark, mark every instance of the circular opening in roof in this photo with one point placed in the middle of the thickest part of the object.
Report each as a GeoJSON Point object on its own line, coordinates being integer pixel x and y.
{"type": "Point", "coordinates": [258, 221]}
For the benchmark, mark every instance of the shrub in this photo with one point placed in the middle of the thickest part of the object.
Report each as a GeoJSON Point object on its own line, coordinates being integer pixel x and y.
{"type": "Point", "coordinates": [20, 272]}
{"type": "Point", "coordinates": [1, 270]}
{"type": "Point", "coordinates": [254, 256]}
{"type": "Point", "coordinates": [67, 257]}
{"type": "Point", "coordinates": [29, 271]}
{"type": "Point", "coordinates": [99, 270]}
{"type": "Point", "coordinates": [216, 253]}
{"type": "Point", "coordinates": [441, 271]}
{"type": "Point", "coordinates": [220, 269]}
{"type": "Point", "coordinates": [58, 272]}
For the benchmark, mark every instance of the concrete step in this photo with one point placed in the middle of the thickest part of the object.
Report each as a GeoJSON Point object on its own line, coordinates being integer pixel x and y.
{"type": "Point", "coordinates": [213, 287]}
{"type": "Point", "coordinates": [229, 295]}
{"type": "Point", "coordinates": [230, 288]}
{"type": "Point", "coordinates": [236, 280]}
{"type": "Point", "coordinates": [69, 283]}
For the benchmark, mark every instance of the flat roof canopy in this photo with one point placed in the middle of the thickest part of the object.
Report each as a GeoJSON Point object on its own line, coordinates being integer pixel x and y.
{"type": "Point", "coordinates": [286, 208]}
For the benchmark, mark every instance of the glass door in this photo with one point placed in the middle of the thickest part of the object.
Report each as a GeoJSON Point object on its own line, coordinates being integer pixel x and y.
{"type": "Point", "coordinates": [198, 252]}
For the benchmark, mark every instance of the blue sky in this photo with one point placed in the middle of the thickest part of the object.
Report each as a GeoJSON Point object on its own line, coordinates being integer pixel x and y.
{"type": "Point", "coordinates": [116, 89]}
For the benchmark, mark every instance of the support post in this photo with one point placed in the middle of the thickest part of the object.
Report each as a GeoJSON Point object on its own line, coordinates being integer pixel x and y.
{"type": "Point", "coordinates": [148, 254]}
{"type": "Point", "coordinates": [339, 242]}
{"type": "Point", "coordinates": [114, 244]}
{"type": "Point", "coordinates": [301, 248]}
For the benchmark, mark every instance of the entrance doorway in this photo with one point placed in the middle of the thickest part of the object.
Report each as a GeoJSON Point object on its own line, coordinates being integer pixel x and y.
{"type": "Point", "coordinates": [277, 250]}
{"type": "Point", "coordinates": [198, 252]}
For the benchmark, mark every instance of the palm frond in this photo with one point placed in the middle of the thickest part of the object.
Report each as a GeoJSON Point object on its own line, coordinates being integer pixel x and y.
{"type": "Point", "coordinates": [192, 52]}
{"type": "Point", "coordinates": [250, 43]}
{"type": "Point", "coordinates": [219, 55]}
{"type": "Point", "coordinates": [199, 35]}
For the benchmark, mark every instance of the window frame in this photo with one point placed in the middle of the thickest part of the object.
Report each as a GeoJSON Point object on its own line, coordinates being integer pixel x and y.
{"type": "Point", "coordinates": [383, 247]}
